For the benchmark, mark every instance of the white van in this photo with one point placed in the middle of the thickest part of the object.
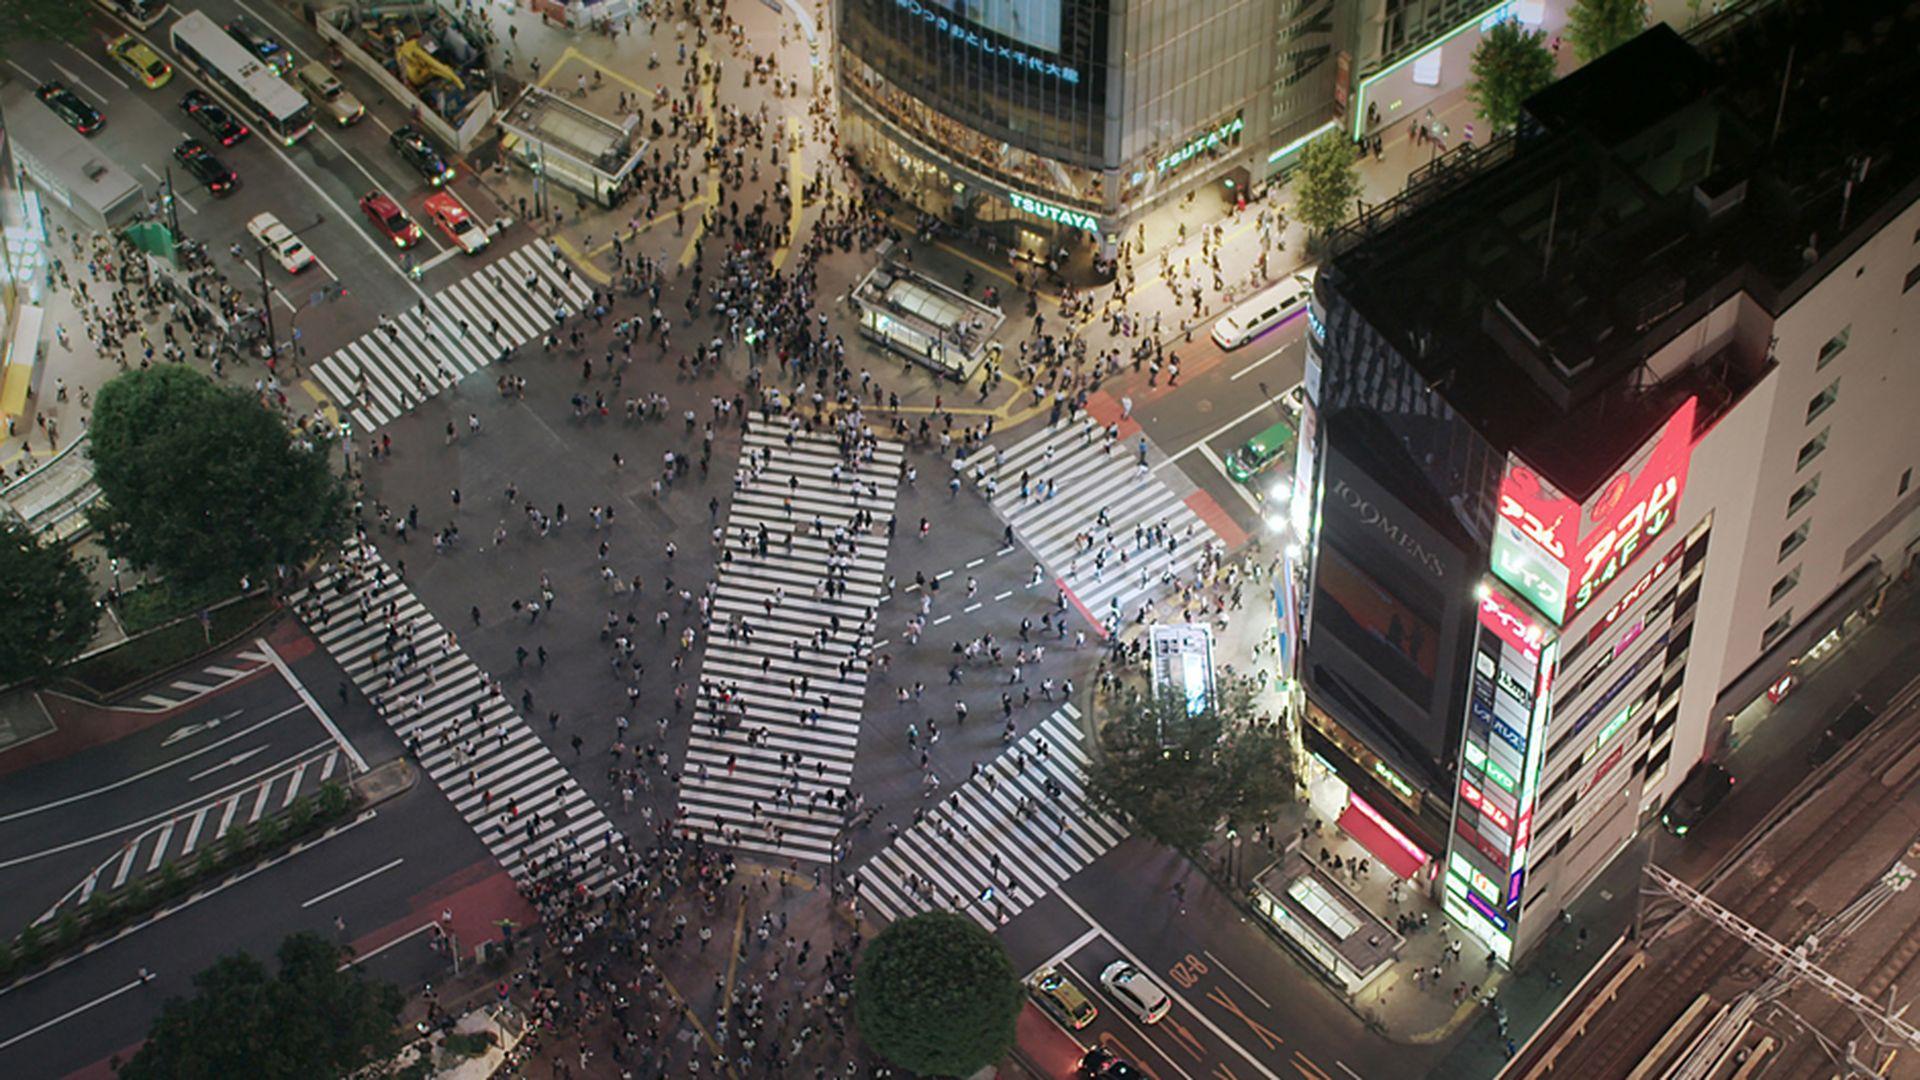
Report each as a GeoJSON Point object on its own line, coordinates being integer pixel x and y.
{"type": "Point", "coordinates": [1264, 310]}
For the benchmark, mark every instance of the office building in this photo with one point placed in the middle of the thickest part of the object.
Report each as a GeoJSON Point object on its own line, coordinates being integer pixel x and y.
{"type": "Point", "coordinates": [1609, 436]}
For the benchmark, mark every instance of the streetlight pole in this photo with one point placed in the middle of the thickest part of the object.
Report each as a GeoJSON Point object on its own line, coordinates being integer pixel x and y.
{"type": "Point", "coordinates": [173, 210]}
{"type": "Point", "coordinates": [266, 302]}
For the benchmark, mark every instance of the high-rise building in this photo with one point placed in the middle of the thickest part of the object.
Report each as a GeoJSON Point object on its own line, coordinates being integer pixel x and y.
{"type": "Point", "coordinates": [1056, 124]}
{"type": "Point", "coordinates": [1611, 434]}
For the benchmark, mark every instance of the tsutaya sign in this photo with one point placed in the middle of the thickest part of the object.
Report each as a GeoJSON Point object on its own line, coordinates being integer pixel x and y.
{"type": "Point", "coordinates": [1200, 143]}
{"type": "Point", "coordinates": [1560, 554]}
{"type": "Point", "coordinates": [960, 31]}
{"type": "Point", "coordinates": [1051, 212]}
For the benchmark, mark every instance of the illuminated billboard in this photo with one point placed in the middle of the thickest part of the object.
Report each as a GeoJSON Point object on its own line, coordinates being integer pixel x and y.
{"type": "Point", "coordinates": [1030, 22]}
{"type": "Point", "coordinates": [1560, 554]}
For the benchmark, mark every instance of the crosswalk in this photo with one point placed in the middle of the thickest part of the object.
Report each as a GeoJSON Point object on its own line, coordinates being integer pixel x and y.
{"type": "Point", "coordinates": [1002, 840]}
{"type": "Point", "coordinates": [784, 678]}
{"type": "Point", "coordinates": [474, 745]}
{"type": "Point", "coordinates": [1110, 533]}
{"type": "Point", "coordinates": [180, 835]}
{"type": "Point", "coordinates": [420, 352]}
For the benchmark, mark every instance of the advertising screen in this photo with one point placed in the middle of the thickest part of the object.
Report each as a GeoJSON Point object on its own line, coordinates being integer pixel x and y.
{"type": "Point", "coordinates": [1031, 22]}
{"type": "Point", "coordinates": [1560, 554]}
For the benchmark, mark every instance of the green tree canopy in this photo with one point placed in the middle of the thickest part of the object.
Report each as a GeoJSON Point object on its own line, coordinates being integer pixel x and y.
{"type": "Point", "coordinates": [310, 1019]}
{"type": "Point", "coordinates": [1326, 183]}
{"type": "Point", "coordinates": [203, 484]}
{"type": "Point", "coordinates": [1597, 27]}
{"type": "Point", "coordinates": [37, 21]}
{"type": "Point", "coordinates": [936, 995]}
{"type": "Point", "coordinates": [50, 613]}
{"type": "Point", "coordinates": [1178, 777]}
{"type": "Point", "coordinates": [1509, 65]}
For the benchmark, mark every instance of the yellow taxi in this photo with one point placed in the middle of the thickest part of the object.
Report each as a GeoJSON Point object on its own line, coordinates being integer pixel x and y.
{"type": "Point", "coordinates": [140, 61]}
{"type": "Point", "coordinates": [1059, 996]}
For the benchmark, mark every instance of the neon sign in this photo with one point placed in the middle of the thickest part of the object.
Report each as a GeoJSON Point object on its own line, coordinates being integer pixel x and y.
{"type": "Point", "coordinates": [1419, 853]}
{"type": "Point", "coordinates": [967, 35]}
{"type": "Point", "coordinates": [1050, 212]}
{"type": "Point", "coordinates": [1202, 143]}
{"type": "Point", "coordinates": [1504, 618]}
{"type": "Point", "coordinates": [1559, 554]}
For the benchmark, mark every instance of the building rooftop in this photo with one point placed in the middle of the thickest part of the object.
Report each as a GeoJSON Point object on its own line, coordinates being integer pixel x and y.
{"type": "Point", "coordinates": [1530, 280]}
{"type": "Point", "coordinates": [564, 126]}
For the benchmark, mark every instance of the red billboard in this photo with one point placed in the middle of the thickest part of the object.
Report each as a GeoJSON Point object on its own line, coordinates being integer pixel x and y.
{"type": "Point", "coordinates": [1560, 554]}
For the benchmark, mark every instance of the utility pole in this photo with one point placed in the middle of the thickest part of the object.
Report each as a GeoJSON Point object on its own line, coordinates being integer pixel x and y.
{"type": "Point", "coordinates": [266, 301]}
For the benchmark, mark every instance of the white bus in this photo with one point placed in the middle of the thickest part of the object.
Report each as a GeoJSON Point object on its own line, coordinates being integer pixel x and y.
{"type": "Point", "coordinates": [1264, 310]}
{"type": "Point", "coordinates": [242, 78]}
{"type": "Point", "coordinates": [141, 14]}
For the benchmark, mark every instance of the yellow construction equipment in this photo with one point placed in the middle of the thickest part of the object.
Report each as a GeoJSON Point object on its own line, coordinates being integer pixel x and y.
{"type": "Point", "coordinates": [420, 67]}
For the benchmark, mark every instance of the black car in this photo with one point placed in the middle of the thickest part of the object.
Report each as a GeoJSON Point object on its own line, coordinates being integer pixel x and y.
{"type": "Point", "coordinates": [213, 116]}
{"type": "Point", "coordinates": [1703, 789]}
{"type": "Point", "coordinates": [1844, 727]}
{"type": "Point", "coordinates": [67, 105]}
{"type": "Point", "coordinates": [206, 168]}
{"type": "Point", "coordinates": [421, 154]}
{"type": "Point", "coordinates": [1103, 1064]}
{"type": "Point", "coordinates": [260, 43]}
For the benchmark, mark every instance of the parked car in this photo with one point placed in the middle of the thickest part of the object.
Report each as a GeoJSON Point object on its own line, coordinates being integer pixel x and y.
{"type": "Point", "coordinates": [279, 239]}
{"type": "Point", "coordinates": [140, 61]}
{"type": "Point", "coordinates": [260, 43]}
{"type": "Point", "coordinates": [1058, 995]}
{"type": "Point", "coordinates": [1703, 789]}
{"type": "Point", "coordinates": [1101, 1063]}
{"type": "Point", "coordinates": [326, 92]}
{"type": "Point", "coordinates": [1849, 723]}
{"type": "Point", "coordinates": [213, 116]}
{"type": "Point", "coordinates": [393, 222]}
{"type": "Point", "coordinates": [452, 218]}
{"type": "Point", "coordinates": [206, 168]}
{"type": "Point", "coordinates": [67, 105]}
{"type": "Point", "coordinates": [416, 151]}
{"type": "Point", "coordinates": [1137, 991]}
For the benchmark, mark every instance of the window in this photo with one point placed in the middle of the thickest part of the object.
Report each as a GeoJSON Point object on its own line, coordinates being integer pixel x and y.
{"type": "Point", "coordinates": [1778, 627]}
{"type": "Point", "coordinates": [1813, 448]}
{"type": "Point", "coordinates": [1793, 541]}
{"type": "Point", "coordinates": [1834, 347]}
{"type": "Point", "coordinates": [1823, 400]}
{"type": "Point", "coordinates": [1906, 481]}
{"type": "Point", "coordinates": [1913, 278]}
{"type": "Point", "coordinates": [1804, 495]}
{"type": "Point", "coordinates": [1783, 586]}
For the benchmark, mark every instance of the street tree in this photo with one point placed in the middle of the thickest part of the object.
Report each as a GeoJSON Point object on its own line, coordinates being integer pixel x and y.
{"type": "Point", "coordinates": [1509, 65]}
{"type": "Point", "coordinates": [1178, 776]}
{"type": "Point", "coordinates": [1597, 27]}
{"type": "Point", "coordinates": [936, 995]}
{"type": "Point", "coordinates": [36, 22]}
{"type": "Point", "coordinates": [205, 485]}
{"type": "Point", "coordinates": [1326, 183]}
{"type": "Point", "coordinates": [49, 604]}
{"type": "Point", "coordinates": [308, 1019]}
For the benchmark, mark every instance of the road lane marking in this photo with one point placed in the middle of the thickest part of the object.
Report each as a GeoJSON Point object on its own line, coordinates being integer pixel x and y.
{"type": "Point", "coordinates": [300, 688]}
{"type": "Point", "coordinates": [1238, 487]}
{"type": "Point", "coordinates": [344, 886]}
{"type": "Point", "coordinates": [234, 760]}
{"type": "Point", "coordinates": [941, 619]}
{"type": "Point", "coordinates": [1243, 983]}
{"type": "Point", "coordinates": [144, 773]}
{"type": "Point", "coordinates": [970, 608]}
{"type": "Point", "coordinates": [1344, 1069]}
{"type": "Point", "coordinates": [1003, 596]}
{"type": "Point", "coordinates": [976, 562]}
{"type": "Point", "coordinates": [1236, 375]}
{"type": "Point", "coordinates": [1269, 1038]}
{"type": "Point", "coordinates": [71, 1013]}
{"type": "Point", "coordinates": [1215, 433]}
{"type": "Point", "coordinates": [365, 956]}
{"type": "Point", "coordinates": [1175, 994]}
{"type": "Point", "coordinates": [1072, 947]}
{"type": "Point", "coordinates": [1133, 1026]}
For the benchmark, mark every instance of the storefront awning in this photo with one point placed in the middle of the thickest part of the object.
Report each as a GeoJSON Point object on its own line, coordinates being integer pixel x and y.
{"type": "Point", "coordinates": [1364, 824]}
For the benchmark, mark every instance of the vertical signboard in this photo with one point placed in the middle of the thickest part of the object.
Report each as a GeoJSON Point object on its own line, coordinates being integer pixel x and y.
{"type": "Point", "coordinates": [1502, 748]}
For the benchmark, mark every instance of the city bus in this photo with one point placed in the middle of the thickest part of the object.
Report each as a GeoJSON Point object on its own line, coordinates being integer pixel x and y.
{"type": "Point", "coordinates": [140, 14]}
{"type": "Point", "coordinates": [1264, 310]}
{"type": "Point", "coordinates": [240, 77]}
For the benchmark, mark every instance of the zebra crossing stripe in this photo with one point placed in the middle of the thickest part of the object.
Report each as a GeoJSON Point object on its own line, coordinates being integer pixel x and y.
{"type": "Point", "coordinates": [772, 780]}
{"type": "Point", "coordinates": [952, 852]}
{"type": "Point", "coordinates": [427, 352]}
{"type": "Point", "coordinates": [1087, 477]}
{"type": "Point", "coordinates": [473, 744]}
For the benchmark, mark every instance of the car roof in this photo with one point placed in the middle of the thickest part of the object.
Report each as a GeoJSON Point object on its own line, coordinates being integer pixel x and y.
{"type": "Point", "coordinates": [441, 200]}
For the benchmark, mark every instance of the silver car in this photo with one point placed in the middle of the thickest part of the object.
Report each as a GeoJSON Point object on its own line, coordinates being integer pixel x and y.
{"type": "Point", "coordinates": [326, 91]}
